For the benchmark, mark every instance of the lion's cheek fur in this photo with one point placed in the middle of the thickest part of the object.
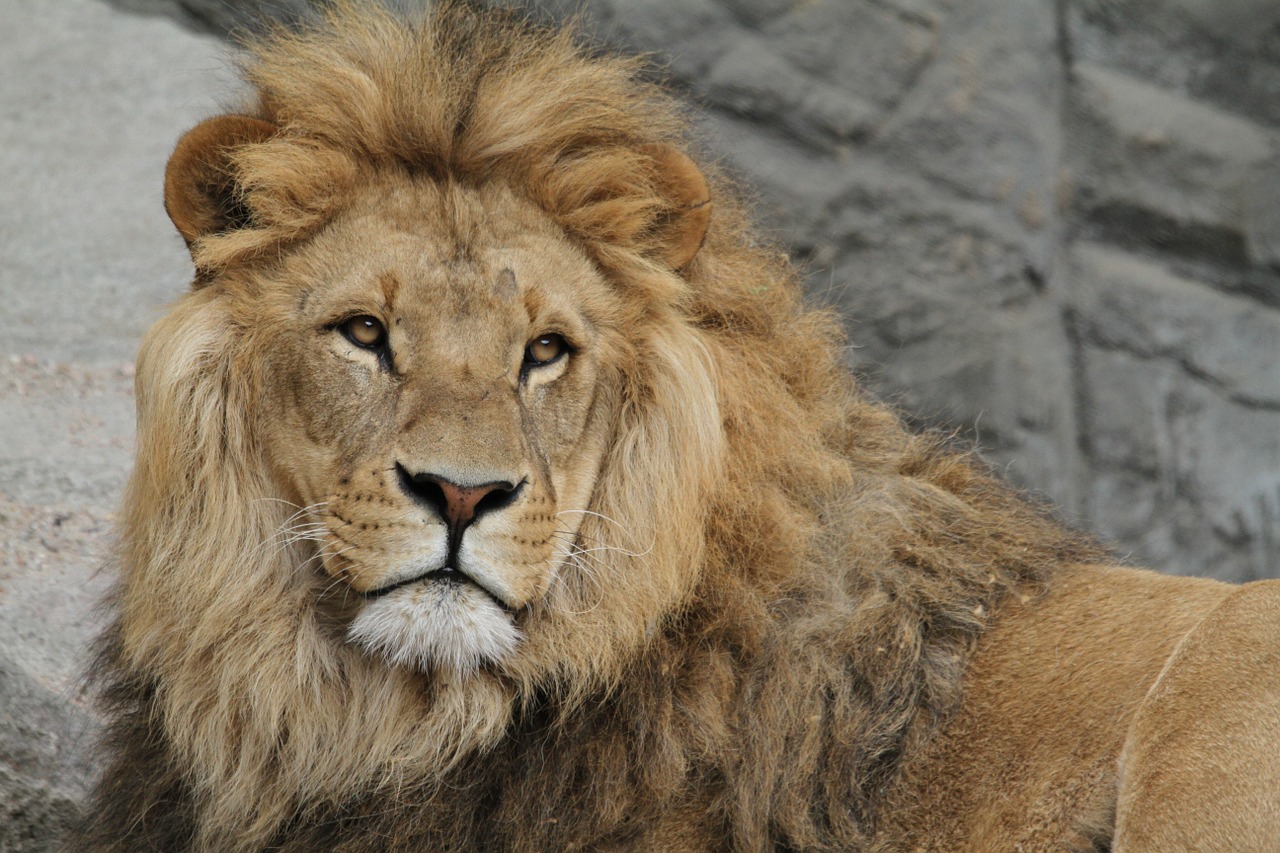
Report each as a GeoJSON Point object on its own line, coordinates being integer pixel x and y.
{"type": "Point", "coordinates": [326, 415]}
{"type": "Point", "coordinates": [661, 462]}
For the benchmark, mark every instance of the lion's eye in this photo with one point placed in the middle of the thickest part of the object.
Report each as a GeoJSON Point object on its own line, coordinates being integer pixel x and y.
{"type": "Point", "coordinates": [364, 331]}
{"type": "Point", "coordinates": [544, 349]}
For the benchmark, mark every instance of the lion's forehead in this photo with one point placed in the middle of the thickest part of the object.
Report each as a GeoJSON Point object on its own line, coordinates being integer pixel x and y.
{"type": "Point", "coordinates": [478, 283]}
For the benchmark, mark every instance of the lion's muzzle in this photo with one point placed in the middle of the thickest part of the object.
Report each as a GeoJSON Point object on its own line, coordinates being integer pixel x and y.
{"type": "Point", "coordinates": [457, 504]}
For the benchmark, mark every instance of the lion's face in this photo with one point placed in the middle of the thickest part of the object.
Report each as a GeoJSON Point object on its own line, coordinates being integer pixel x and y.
{"type": "Point", "coordinates": [436, 359]}
{"type": "Point", "coordinates": [481, 396]}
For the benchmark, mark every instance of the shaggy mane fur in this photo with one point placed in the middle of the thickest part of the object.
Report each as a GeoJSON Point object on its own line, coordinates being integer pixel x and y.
{"type": "Point", "coordinates": [841, 567]}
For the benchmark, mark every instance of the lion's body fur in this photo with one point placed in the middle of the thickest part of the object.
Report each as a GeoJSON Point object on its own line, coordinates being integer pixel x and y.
{"type": "Point", "coordinates": [799, 583]}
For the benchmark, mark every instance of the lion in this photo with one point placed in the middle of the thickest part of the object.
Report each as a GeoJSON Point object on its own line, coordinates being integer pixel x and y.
{"type": "Point", "coordinates": [497, 490]}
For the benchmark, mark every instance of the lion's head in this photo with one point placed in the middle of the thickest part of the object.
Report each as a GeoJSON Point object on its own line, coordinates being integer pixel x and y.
{"type": "Point", "coordinates": [439, 374]}
{"type": "Point", "coordinates": [481, 453]}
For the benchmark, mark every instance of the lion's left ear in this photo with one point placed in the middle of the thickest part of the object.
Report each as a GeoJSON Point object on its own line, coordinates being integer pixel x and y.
{"type": "Point", "coordinates": [200, 192]}
{"type": "Point", "coordinates": [681, 182]}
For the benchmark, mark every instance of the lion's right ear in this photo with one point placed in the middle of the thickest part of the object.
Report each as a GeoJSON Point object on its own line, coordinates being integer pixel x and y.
{"type": "Point", "coordinates": [200, 192]}
{"type": "Point", "coordinates": [683, 186]}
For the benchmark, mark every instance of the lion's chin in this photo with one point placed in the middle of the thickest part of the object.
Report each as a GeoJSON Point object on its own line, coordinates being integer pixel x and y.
{"type": "Point", "coordinates": [435, 625]}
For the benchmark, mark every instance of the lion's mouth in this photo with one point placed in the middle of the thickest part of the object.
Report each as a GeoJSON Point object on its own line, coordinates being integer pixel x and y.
{"type": "Point", "coordinates": [445, 574]}
{"type": "Point", "coordinates": [438, 619]}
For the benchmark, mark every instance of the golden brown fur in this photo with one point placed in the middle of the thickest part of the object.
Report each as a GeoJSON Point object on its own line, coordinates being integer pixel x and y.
{"type": "Point", "coordinates": [742, 599]}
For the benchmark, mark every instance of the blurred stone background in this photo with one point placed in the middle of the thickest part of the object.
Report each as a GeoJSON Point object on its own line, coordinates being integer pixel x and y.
{"type": "Point", "coordinates": [1053, 226]}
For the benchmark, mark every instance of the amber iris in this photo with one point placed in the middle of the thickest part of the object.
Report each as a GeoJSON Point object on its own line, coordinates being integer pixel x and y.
{"type": "Point", "coordinates": [365, 331]}
{"type": "Point", "coordinates": [544, 349]}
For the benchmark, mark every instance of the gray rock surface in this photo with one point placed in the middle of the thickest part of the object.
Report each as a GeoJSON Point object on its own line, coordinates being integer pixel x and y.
{"type": "Point", "coordinates": [1055, 226]}
{"type": "Point", "coordinates": [91, 101]}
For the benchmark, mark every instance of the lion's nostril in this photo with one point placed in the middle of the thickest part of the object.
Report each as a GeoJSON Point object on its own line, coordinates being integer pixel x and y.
{"type": "Point", "coordinates": [425, 490]}
{"type": "Point", "coordinates": [501, 494]}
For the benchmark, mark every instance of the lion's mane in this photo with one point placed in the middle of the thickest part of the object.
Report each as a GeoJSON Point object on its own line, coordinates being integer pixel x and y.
{"type": "Point", "coordinates": [832, 569]}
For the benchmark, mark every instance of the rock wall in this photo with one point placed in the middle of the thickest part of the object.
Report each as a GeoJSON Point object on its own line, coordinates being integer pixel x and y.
{"type": "Point", "coordinates": [91, 101]}
{"type": "Point", "coordinates": [1052, 226]}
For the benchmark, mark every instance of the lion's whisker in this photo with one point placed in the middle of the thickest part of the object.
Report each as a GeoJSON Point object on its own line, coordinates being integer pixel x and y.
{"type": "Point", "coordinates": [586, 573]}
{"type": "Point", "coordinates": [605, 547]}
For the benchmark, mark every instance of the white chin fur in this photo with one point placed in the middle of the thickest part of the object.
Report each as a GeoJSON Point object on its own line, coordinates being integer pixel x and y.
{"type": "Point", "coordinates": [435, 624]}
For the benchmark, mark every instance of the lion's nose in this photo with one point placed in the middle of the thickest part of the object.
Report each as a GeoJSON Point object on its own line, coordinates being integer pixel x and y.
{"type": "Point", "coordinates": [458, 505]}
